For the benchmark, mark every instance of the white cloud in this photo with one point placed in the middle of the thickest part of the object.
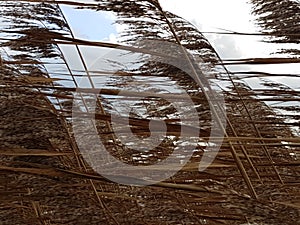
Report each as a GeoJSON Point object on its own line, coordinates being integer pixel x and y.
{"type": "Point", "coordinates": [227, 46]}
{"type": "Point", "coordinates": [113, 38]}
{"type": "Point", "coordinates": [229, 14]}
{"type": "Point", "coordinates": [215, 15]}
{"type": "Point", "coordinates": [234, 15]}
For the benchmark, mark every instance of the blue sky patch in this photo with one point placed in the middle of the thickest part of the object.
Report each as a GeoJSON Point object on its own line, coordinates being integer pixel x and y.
{"type": "Point", "coordinates": [89, 24]}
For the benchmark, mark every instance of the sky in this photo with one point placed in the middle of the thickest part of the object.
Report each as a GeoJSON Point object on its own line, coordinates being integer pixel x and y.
{"type": "Point", "coordinates": [207, 16]}
{"type": "Point", "coordinates": [214, 15]}
{"type": "Point", "coordinates": [233, 15]}
{"type": "Point", "coordinates": [89, 24]}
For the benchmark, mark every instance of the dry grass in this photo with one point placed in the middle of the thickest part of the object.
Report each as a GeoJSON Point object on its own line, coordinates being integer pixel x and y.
{"type": "Point", "coordinates": [45, 179]}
